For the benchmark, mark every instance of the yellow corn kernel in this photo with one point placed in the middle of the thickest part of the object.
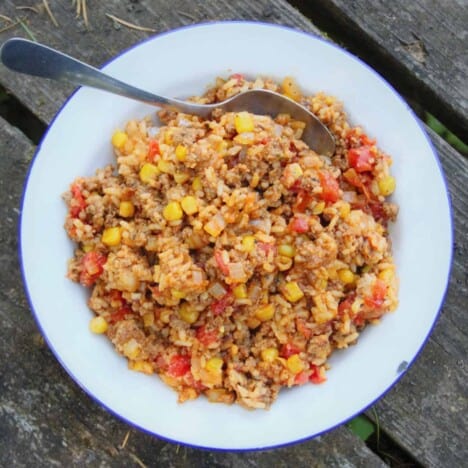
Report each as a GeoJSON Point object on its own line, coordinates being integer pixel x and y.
{"type": "Point", "coordinates": [197, 184]}
{"type": "Point", "coordinates": [294, 364]}
{"type": "Point", "coordinates": [356, 305]}
{"type": "Point", "coordinates": [222, 147]}
{"type": "Point", "coordinates": [295, 170]}
{"type": "Point", "coordinates": [141, 366]}
{"type": "Point", "coordinates": [168, 137]}
{"type": "Point", "coordinates": [287, 250]}
{"type": "Point", "coordinates": [240, 291]}
{"type": "Point", "coordinates": [345, 209]}
{"type": "Point", "coordinates": [119, 139]}
{"type": "Point", "coordinates": [283, 263]}
{"type": "Point", "coordinates": [265, 312]}
{"type": "Point", "coordinates": [269, 354]}
{"type": "Point", "coordinates": [148, 173]}
{"type": "Point", "coordinates": [172, 211]}
{"type": "Point", "coordinates": [387, 275]}
{"type": "Point", "coordinates": [148, 319]}
{"type": "Point", "coordinates": [292, 292]}
{"type": "Point", "coordinates": [297, 125]}
{"type": "Point", "coordinates": [243, 122]}
{"type": "Point", "coordinates": [126, 209]}
{"type": "Point", "coordinates": [131, 349]}
{"type": "Point", "coordinates": [181, 153]}
{"type": "Point", "coordinates": [188, 313]}
{"type": "Point", "coordinates": [189, 204]}
{"type": "Point", "coordinates": [215, 226]}
{"type": "Point", "coordinates": [87, 248]}
{"type": "Point", "coordinates": [346, 276]}
{"type": "Point", "coordinates": [255, 180]}
{"type": "Point", "coordinates": [98, 325]}
{"type": "Point", "coordinates": [177, 294]}
{"type": "Point", "coordinates": [112, 236]}
{"type": "Point", "coordinates": [248, 243]}
{"type": "Point", "coordinates": [165, 166]}
{"type": "Point", "coordinates": [291, 89]}
{"type": "Point", "coordinates": [234, 350]}
{"type": "Point", "coordinates": [322, 283]}
{"type": "Point", "coordinates": [253, 323]}
{"type": "Point", "coordinates": [318, 208]}
{"type": "Point", "coordinates": [181, 177]}
{"type": "Point", "coordinates": [387, 185]}
{"type": "Point", "coordinates": [214, 364]}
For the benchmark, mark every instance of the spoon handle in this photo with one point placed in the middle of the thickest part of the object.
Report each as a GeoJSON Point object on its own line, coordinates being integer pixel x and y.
{"type": "Point", "coordinates": [32, 58]}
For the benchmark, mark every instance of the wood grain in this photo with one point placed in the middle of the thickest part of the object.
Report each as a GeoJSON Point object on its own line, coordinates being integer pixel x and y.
{"type": "Point", "coordinates": [105, 38]}
{"type": "Point", "coordinates": [418, 45]}
{"type": "Point", "coordinates": [47, 419]}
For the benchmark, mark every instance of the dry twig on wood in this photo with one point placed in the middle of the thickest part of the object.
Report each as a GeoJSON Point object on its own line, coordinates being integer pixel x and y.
{"type": "Point", "coordinates": [129, 25]}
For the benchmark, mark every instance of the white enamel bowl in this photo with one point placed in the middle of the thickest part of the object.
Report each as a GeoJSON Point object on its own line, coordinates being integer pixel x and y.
{"type": "Point", "coordinates": [181, 63]}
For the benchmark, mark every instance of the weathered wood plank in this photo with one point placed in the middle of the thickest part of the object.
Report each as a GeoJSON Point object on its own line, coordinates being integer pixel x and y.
{"type": "Point", "coordinates": [44, 99]}
{"type": "Point", "coordinates": [419, 46]}
{"type": "Point", "coordinates": [105, 38]}
{"type": "Point", "coordinates": [426, 411]}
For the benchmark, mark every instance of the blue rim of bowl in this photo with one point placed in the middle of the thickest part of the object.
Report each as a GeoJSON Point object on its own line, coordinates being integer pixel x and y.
{"type": "Point", "coordinates": [399, 375]}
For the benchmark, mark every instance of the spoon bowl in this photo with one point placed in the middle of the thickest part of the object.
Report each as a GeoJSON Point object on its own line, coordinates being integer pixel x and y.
{"type": "Point", "coordinates": [32, 58]}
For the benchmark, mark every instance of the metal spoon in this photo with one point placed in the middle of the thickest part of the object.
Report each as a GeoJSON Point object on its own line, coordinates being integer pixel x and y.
{"type": "Point", "coordinates": [36, 59]}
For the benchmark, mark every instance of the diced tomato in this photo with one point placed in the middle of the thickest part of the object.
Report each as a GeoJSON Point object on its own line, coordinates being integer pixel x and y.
{"type": "Point", "coordinates": [379, 291]}
{"type": "Point", "coordinates": [345, 305]}
{"type": "Point", "coordinates": [222, 265]}
{"type": "Point", "coordinates": [361, 181]}
{"type": "Point", "coordinates": [366, 141]}
{"type": "Point", "coordinates": [219, 306]}
{"type": "Point", "coordinates": [299, 224]}
{"type": "Point", "coordinates": [77, 203]}
{"type": "Point", "coordinates": [264, 141]}
{"type": "Point", "coordinates": [239, 77]}
{"type": "Point", "coordinates": [121, 314]}
{"type": "Point", "coordinates": [266, 247]}
{"type": "Point", "coordinates": [302, 328]}
{"type": "Point", "coordinates": [115, 295]}
{"type": "Point", "coordinates": [179, 365]}
{"type": "Point", "coordinates": [296, 186]}
{"type": "Point", "coordinates": [160, 362]}
{"type": "Point", "coordinates": [302, 201]}
{"type": "Point", "coordinates": [288, 350]}
{"type": "Point", "coordinates": [377, 211]}
{"type": "Point", "coordinates": [195, 384]}
{"type": "Point", "coordinates": [206, 337]}
{"type": "Point", "coordinates": [153, 150]}
{"type": "Point", "coordinates": [301, 378]}
{"type": "Point", "coordinates": [92, 266]}
{"type": "Point", "coordinates": [330, 187]}
{"type": "Point", "coordinates": [361, 158]}
{"type": "Point", "coordinates": [352, 138]}
{"type": "Point", "coordinates": [358, 320]}
{"type": "Point", "coordinates": [293, 147]}
{"type": "Point", "coordinates": [316, 376]}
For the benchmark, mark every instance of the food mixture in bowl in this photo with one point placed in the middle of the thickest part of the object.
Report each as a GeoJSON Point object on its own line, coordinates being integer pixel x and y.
{"type": "Point", "coordinates": [226, 256]}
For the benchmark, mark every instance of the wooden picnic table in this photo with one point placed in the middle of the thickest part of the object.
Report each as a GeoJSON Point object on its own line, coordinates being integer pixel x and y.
{"type": "Point", "coordinates": [46, 419]}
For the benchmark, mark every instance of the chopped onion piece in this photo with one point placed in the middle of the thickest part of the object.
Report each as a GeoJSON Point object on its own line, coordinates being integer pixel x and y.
{"type": "Point", "coordinates": [217, 290]}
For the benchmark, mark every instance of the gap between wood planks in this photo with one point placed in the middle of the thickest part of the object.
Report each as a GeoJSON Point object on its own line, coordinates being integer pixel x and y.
{"type": "Point", "coordinates": [393, 71]}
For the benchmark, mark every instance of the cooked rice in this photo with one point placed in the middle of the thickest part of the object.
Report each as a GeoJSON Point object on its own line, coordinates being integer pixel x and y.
{"type": "Point", "coordinates": [277, 266]}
